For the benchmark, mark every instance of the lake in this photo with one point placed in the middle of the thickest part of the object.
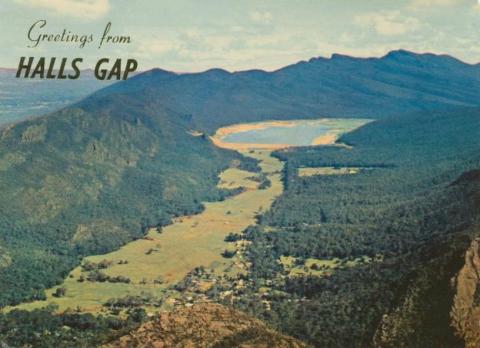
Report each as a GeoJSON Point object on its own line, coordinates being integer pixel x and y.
{"type": "Point", "coordinates": [301, 133]}
{"type": "Point", "coordinates": [280, 134]}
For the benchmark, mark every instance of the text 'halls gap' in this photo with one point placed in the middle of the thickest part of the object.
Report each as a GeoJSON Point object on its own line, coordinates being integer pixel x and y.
{"type": "Point", "coordinates": [53, 68]}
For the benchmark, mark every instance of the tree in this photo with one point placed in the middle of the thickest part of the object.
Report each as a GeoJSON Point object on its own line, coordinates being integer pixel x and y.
{"type": "Point", "coordinates": [60, 292]}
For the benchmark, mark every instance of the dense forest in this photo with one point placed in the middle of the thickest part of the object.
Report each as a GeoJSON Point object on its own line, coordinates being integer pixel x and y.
{"type": "Point", "coordinates": [43, 328]}
{"type": "Point", "coordinates": [410, 206]}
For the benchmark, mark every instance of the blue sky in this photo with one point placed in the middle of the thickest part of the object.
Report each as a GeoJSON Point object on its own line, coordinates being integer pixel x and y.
{"type": "Point", "coordinates": [196, 35]}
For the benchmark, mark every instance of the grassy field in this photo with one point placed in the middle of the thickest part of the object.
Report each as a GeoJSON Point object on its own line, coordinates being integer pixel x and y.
{"type": "Point", "coordinates": [319, 267]}
{"type": "Point", "coordinates": [189, 242]}
{"type": "Point", "coordinates": [311, 171]}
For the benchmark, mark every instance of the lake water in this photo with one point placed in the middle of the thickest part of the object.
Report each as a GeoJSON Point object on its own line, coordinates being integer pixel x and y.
{"type": "Point", "coordinates": [300, 133]}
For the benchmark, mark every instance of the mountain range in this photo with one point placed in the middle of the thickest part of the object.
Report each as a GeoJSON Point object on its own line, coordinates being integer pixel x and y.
{"type": "Point", "coordinates": [340, 86]}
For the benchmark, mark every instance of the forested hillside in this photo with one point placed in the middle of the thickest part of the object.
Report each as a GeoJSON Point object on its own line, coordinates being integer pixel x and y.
{"type": "Point", "coordinates": [399, 228]}
{"type": "Point", "coordinates": [90, 178]}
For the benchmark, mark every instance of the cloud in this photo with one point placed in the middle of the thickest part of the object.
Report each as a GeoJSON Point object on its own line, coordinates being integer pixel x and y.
{"type": "Point", "coordinates": [88, 9]}
{"type": "Point", "coordinates": [388, 22]}
{"type": "Point", "coordinates": [261, 17]}
{"type": "Point", "coordinates": [428, 4]}
{"type": "Point", "coordinates": [156, 47]}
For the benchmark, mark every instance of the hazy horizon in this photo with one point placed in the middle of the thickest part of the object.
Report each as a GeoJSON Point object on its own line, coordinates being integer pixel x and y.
{"type": "Point", "coordinates": [14, 68]}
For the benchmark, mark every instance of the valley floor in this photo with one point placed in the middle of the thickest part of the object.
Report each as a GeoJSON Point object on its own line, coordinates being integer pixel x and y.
{"type": "Point", "coordinates": [164, 257]}
{"type": "Point", "coordinates": [194, 252]}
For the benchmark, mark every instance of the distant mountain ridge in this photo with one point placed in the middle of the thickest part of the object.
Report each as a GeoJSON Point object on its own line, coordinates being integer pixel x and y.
{"type": "Point", "coordinates": [340, 86]}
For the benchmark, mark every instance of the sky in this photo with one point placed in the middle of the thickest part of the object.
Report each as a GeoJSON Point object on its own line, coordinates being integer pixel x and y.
{"type": "Point", "coordinates": [196, 35]}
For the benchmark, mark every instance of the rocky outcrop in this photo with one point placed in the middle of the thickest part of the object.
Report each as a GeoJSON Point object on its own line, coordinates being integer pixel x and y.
{"type": "Point", "coordinates": [205, 325]}
{"type": "Point", "coordinates": [465, 312]}
{"type": "Point", "coordinates": [429, 297]}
